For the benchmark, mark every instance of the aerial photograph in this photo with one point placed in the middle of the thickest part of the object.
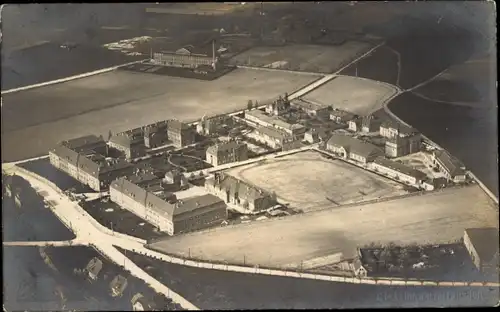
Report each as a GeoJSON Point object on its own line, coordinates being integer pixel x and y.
{"type": "Point", "coordinates": [249, 155]}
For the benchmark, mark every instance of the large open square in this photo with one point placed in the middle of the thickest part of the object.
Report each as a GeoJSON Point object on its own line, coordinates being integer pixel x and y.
{"type": "Point", "coordinates": [309, 58]}
{"type": "Point", "coordinates": [433, 218]}
{"type": "Point", "coordinates": [121, 100]}
{"type": "Point", "coordinates": [357, 95]}
{"type": "Point", "coordinates": [308, 181]}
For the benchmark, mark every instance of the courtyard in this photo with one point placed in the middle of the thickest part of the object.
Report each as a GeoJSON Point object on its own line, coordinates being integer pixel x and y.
{"type": "Point", "coordinates": [308, 181]}
{"type": "Point", "coordinates": [357, 95]}
{"type": "Point", "coordinates": [421, 161]}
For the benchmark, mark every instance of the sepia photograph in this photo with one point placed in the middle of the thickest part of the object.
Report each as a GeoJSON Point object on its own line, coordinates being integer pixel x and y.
{"type": "Point", "coordinates": [249, 155]}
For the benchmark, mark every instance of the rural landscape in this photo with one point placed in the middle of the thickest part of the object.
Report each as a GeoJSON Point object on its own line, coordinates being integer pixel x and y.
{"type": "Point", "coordinates": [262, 156]}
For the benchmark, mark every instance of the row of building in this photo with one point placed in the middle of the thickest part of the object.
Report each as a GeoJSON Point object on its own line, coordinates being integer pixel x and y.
{"type": "Point", "coordinates": [187, 57]}
{"type": "Point", "coordinates": [372, 157]}
{"type": "Point", "coordinates": [133, 143]}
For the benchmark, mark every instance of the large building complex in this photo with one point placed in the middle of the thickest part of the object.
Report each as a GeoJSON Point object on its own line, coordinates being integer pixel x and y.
{"type": "Point", "coordinates": [186, 57]}
{"type": "Point", "coordinates": [85, 160]}
{"type": "Point", "coordinates": [353, 149]}
{"type": "Point", "coordinates": [224, 153]}
{"type": "Point", "coordinates": [272, 137]}
{"type": "Point", "coordinates": [451, 167]}
{"type": "Point", "coordinates": [236, 192]}
{"type": "Point", "coordinates": [161, 210]}
{"type": "Point", "coordinates": [260, 118]}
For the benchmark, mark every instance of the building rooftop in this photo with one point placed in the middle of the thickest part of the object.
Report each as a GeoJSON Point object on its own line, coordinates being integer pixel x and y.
{"type": "Point", "coordinates": [273, 133]}
{"type": "Point", "coordinates": [485, 242]}
{"type": "Point", "coordinates": [342, 113]}
{"type": "Point", "coordinates": [194, 203]}
{"type": "Point", "coordinates": [273, 120]}
{"type": "Point", "coordinates": [84, 142]}
{"type": "Point", "coordinates": [394, 165]}
{"type": "Point", "coordinates": [353, 145]}
{"type": "Point", "coordinates": [177, 125]}
{"type": "Point", "coordinates": [309, 105]}
{"type": "Point", "coordinates": [233, 185]}
{"type": "Point", "coordinates": [402, 128]}
{"type": "Point", "coordinates": [450, 163]}
{"type": "Point", "coordinates": [221, 147]}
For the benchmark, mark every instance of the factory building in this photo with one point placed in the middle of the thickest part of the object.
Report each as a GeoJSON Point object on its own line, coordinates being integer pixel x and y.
{"type": "Point", "coordinates": [398, 171]}
{"type": "Point", "coordinates": [353, 149]}
{"type": "Point", "coordinates": [310, 108]}
{"type": "Point", "coordinates": [164, 212]}
{"type": "Point", "coordinates": [85, 160]}
{"type": "Point", "coordinates": [224, 153]}
{"type": "Point", "coordinates": [186, 57]}
{"type": "Point", "coordinates": [451, 167]}
{"type": "Point", "coordinates": [259, 117]}
{"type": "Point", "coordinates": [180, 134]}
{"type": "Point", "coordinates": [236, 192]}
{"type": "Point", "coordinates": [482, 245]}
{"type": "Point", "coordinates": [279, 107]}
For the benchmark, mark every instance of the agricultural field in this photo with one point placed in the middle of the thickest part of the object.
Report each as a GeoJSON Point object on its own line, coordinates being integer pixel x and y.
{"type": "Point", "coordinates": [308, 181]}
{"type": "Point", "coordinates": [381, 65]}
{"type": "Point", "coordinates": [122, 100]}
{"type": "Point", "coordinates": [432, 218]}
{"type": "Point", "coordinates": [356, 95]}
{"type": "Point", "coordinates": [308, 58]}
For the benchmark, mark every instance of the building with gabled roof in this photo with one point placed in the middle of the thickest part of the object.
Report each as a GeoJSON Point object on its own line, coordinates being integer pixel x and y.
{"type": "Point", "coordinates": [451, 167]}
{"type": "Point", "coordinates": [237, 192]}
{"type": "Point", "coordinates": [260, 118]}
{"type": "Point", "coordinates": [354, 149]}
{"type": "Point", "coordinates": [118, 285]}
{"type": "Point", "coordinates": [224, 153]}
{"type": "Point", "coordinates": [311, 108]}
{"type": "Point", "coordinates": [398, 171]}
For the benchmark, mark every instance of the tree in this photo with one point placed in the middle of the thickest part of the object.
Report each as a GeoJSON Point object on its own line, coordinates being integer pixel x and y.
{"type": "Point", "coordinates": [249, 104]}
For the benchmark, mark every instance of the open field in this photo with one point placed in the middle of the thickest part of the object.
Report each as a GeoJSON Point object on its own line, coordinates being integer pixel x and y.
{"type": "Point", "coordinates": [438, 217]}
{"type": "Point", "coordinates": [308, 181]}
{"type": "Point", "coordinates": [357, 95]}
{"type": "Point", "coordinates": [380, 65]}
{"type": "Point", "coordinates": [123, 100]}
{"type": "Point", "coordinates": [310, 58]}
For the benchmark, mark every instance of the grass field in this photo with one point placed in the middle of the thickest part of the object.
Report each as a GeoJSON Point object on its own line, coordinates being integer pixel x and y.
{"type": "Point", "coordinates": [308, 181]}
{"type": "Point", "coordinates": [360, 96]}
{"type": "Point", "coordinates": [121, 100]}
{"type": "Point", "coordinates": [432, 218]}
{"type": "Point", "coordinates": [309, 58]}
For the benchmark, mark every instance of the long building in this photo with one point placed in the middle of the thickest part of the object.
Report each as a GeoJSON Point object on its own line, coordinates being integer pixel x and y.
{"type": "Point", "coordinates": [451, 167]}
{"type": "Point", "coordinates": [186, 57]}
{"type": "Point", "coordinates": [234, 191]}
{"type": "Point", "coordinates": [181, 216]}
{"type": "Point", "coordinates": [482, 245]}
{"type": "Point", "coordinates": [272, 137]}
{"type": "Point", "coordinates": [259, 117]}
{"type": "Point", "coordinates": [85, 160]}
{"type": "Point", "coordinates": [350, 148]}
{"type": "Point", "coordinates": [311, 108]}
{"type": "Point", "coordinates": [398, 171]}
